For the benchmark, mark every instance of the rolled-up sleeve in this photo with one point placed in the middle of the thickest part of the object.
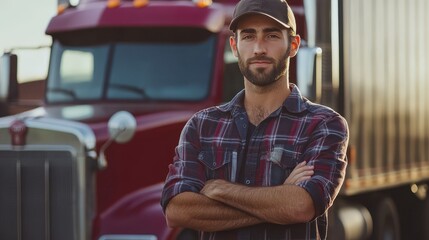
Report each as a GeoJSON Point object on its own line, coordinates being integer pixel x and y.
{"type": "Point", "coordinates": [327, 152]}
{"type": "Point", "coordinates": [186, 173]}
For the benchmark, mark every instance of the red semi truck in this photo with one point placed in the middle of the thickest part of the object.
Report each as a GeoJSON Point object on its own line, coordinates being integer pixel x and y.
{"type": "Point", "coordinates": [125, 76]}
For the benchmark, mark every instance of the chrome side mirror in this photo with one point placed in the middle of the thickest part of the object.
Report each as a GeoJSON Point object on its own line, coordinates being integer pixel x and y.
{"type": "Point", "coordinates": [309, 73]}
{"type": "Point", "coordinates": [122, 126]}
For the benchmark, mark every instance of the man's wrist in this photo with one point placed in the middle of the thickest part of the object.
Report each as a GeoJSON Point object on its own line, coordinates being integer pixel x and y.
{"type": "Point", "coordinates": [216, 189]}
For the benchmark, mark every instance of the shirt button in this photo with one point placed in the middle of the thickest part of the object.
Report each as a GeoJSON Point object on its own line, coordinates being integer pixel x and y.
{"type": "Point", "coordinates": [244, 125]}
{"type": "Point", "coordinates": [214, 164]}
{"type": "Point", "coordinates": [247, 181]}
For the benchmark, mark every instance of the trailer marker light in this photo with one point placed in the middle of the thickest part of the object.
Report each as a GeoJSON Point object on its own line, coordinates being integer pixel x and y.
{"type": "Point", "coordinates": [347, 184]}
{"type": "Point", "coordinates": [351, 154]}
{"type": "Point", "coordinates": [61, 8]}
{"type": "Point", "coordinates": [140, 3]}
{"type": "Point", "coordinates": [113, 3]}
{"type": "Point", "coordinates": [203, 3]}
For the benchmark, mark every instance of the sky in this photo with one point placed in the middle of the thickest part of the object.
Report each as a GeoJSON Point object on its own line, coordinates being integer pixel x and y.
{"type": "Point", "coordinates": [23, 24]}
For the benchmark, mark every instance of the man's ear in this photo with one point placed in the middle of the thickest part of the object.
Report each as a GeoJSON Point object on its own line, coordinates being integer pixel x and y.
{"type": "Point", "coordinates": [294, 45]}
{"type": "Point", "coordinates": [233, 44]}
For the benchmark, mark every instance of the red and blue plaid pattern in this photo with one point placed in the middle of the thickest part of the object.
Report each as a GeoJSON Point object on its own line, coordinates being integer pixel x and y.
{"type": "Point", "coordinates": [213, 145]}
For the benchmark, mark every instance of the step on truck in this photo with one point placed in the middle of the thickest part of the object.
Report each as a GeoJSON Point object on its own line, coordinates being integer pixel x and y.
{"type": "Point", "coordinates": [125, 75]}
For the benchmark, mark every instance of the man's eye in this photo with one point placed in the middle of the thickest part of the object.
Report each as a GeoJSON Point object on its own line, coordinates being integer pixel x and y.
{"type": "Point", "coordinates": [247, 37]}
{"type": "Point", "coordinates": [273, 36]}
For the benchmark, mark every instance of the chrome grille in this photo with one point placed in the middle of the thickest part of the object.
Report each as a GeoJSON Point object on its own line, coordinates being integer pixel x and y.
{"type": "Point", "coordinates": [37, 195]}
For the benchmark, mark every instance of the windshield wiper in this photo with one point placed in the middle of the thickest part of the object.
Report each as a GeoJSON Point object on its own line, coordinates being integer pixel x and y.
{"type": "Point", "coordinates": [130, 88]}
{"type": "Point", "coordinates": [65, 91]}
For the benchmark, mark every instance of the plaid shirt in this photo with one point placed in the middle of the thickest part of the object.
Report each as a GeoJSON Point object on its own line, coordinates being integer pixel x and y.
{"type": "Point", "coordinates": [213, 146]}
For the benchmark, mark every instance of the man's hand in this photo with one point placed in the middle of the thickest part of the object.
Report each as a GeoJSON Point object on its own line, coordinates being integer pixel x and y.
{"type": "Point", "coordinates": [214, 186]}
{"type": "Point", "coordinates": [300, 173]}
{"type": "Point", "coordinates": [283, 204]}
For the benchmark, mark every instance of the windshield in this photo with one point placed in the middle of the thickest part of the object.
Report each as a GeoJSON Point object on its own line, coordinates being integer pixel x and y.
{"type": "Point", "coordinates": [147, 69]}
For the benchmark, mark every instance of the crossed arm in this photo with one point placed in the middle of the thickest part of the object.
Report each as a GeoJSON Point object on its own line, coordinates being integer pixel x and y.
{"type": "Point", "coordinates": [222, 205]}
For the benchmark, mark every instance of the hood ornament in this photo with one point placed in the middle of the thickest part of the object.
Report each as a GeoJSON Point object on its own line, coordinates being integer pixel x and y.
{"type": "Point", "coordinates": [18, 132]}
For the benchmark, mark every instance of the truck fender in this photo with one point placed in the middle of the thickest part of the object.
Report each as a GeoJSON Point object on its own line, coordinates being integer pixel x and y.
{"type": "Point", "coordinates": [138, 213]}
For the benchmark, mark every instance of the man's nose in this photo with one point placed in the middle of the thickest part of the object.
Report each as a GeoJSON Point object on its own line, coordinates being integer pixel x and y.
{"type": "Point", "coordinates": [259, 47]}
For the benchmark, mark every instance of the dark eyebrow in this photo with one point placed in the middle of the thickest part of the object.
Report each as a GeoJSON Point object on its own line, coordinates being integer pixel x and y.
{"type": "Point", "coordinates": [266, 30]}
{"type": "Point", "coordinates": [274, 29]}
{"type": "Point", "coordinates": [248, 30]}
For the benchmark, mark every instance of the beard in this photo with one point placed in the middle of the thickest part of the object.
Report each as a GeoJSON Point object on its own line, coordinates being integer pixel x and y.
{"type": "Point", "coordinates": [260, 78]}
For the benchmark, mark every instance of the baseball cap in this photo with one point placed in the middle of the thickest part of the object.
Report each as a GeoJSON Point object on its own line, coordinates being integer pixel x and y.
{"type": "Point", "coordinates": [278, 10]}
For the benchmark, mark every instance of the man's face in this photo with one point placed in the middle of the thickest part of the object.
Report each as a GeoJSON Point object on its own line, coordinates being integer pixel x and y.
{"type": "Point", "coordinates": [263, 49]}
{"type": "Point", "coordinates": [262, 76]}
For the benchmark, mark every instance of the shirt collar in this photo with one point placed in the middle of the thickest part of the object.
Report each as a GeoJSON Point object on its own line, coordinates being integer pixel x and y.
{"type": "Point", "coordinates": [234, 105]}
{"type": "Point", "coordinates": [294, 103]}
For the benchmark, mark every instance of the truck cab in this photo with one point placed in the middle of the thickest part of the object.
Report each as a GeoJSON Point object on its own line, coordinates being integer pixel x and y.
{"type": "Point", "coordinates": [123, 79]}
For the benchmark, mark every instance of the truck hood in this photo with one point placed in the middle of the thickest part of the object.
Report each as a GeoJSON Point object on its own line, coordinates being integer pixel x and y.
{"type": "Point", "coordinates": [100, 113]}
{"type": "Point", "coordinates": [96, 117]}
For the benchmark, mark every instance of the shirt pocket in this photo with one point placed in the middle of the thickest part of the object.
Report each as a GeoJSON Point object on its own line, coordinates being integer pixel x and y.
{"type": "Point", "coordinates": [219, 164]}
{"type": "Point", "coordinates": [280, 162]}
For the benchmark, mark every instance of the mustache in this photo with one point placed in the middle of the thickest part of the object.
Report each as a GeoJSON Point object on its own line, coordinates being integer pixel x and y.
{"type": "Point", "coordinates": [260, 58]}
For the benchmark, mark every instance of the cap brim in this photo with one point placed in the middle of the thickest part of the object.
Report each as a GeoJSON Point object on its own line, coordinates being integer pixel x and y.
{"type": "Point", "coordinates": [234, 23]}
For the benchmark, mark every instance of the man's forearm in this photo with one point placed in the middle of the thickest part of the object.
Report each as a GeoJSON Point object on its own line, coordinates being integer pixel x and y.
{"type": "Point", "coordinates": [196, 211]}
{"type": "Point", "coordinates": [284, 204]}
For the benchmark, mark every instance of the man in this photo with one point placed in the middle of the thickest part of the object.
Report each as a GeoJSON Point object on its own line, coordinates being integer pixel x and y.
{"type": "Point", "coordinates": [268, 164]}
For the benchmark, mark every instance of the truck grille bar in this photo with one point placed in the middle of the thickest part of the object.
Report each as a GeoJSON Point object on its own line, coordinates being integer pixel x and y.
{"type": "Point", "coordinates": [18, 199]}
{"type": "Point", "coordinates": [37, 198]}
{"type": "Point", "coordinates": [47, 213]}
